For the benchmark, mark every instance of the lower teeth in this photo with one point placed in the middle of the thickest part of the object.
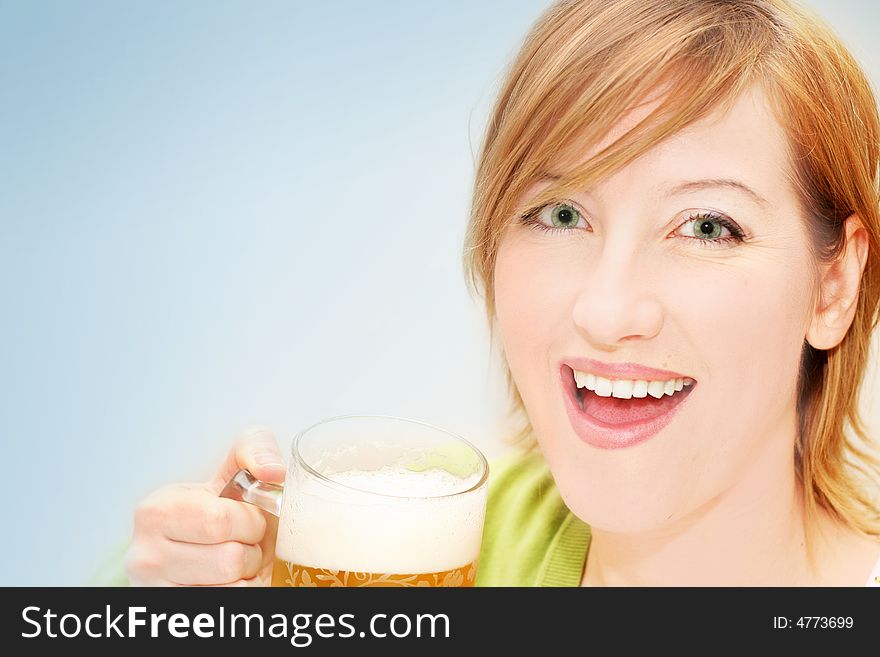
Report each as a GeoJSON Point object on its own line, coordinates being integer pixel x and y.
{"type": "Point", "coordinates": [583, 391]}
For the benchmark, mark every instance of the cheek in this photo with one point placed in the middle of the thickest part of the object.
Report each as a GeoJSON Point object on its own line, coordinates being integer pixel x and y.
{"type": "Point", "coordinates": [747, 326]}
{"type": "Point", "coordinates": [531, 302]}
{"type": "Point", "coordinates": [744, 328]}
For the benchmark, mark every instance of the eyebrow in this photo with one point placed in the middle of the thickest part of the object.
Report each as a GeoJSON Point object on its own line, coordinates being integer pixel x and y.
{"type": "Point", "coordinates": [728, 183]}
{"type": "Point", "coordinates": [698, 185]}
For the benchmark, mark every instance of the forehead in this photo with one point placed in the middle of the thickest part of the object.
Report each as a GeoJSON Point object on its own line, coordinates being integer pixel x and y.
{"type": "Point", "coordinates": [744, 141]}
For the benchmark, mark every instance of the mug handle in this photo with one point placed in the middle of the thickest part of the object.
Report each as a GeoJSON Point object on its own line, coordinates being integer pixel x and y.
{"type": "Point", "coordinates": [244, 487]}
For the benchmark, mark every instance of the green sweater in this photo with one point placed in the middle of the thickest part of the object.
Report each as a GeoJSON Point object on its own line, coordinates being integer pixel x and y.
{"type": "Point", "coordinates": [530, 538]}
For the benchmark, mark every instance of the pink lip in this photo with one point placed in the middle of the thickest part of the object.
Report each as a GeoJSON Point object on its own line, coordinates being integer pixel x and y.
{"type": "Point", "coordinates": [605, 436]}
{"type": "Point", "coordinates": [620, 370]}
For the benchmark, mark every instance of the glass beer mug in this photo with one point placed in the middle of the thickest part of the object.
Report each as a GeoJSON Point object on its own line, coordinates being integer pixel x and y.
{"type": "Point", "coordinates": [375, 501]}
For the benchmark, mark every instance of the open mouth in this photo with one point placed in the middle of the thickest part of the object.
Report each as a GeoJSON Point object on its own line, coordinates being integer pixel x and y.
{"type": "Point", "coordinates": [619, 413]}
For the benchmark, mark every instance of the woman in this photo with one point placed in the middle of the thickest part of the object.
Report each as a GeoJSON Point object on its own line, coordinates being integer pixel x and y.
{"type": "Point", "coordinates": [675, 228]}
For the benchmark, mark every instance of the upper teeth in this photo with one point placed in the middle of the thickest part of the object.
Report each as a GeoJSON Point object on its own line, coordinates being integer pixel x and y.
{"type": "Point", "coordinates": [627, 388]}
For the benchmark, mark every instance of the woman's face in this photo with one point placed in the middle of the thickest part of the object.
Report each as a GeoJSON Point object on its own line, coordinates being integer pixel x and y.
{"type": "Point", "coordinates": [647, 268]}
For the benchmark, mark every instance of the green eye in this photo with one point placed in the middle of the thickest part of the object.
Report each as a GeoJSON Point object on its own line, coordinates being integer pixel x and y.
{"type": "Point", "coordinates": [563, 218]}
{"type": "Point", "coordinates": [711, 230]}
{"type": "Point", "coordinates": [563, 215]}
{"type": "Point", "coordinates": [708, 229]}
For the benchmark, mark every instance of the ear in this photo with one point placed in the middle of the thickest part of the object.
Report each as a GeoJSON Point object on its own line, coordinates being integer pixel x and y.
{"type": "Point", "coordinates": [839, 289]}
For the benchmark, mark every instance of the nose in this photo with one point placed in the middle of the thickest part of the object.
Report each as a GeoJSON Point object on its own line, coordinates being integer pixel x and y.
{"type": "Point", "coordinates": [618, 302]}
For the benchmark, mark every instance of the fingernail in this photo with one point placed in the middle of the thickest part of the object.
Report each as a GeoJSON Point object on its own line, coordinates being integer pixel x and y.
{"type": "Point", "coordinates": [268, 459]}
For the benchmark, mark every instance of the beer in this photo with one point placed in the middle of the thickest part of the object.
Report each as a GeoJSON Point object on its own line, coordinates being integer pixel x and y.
{"type": "Point", "coordinates": [411, 529]}
{"type": "Point", "coordinates": [285, 573]}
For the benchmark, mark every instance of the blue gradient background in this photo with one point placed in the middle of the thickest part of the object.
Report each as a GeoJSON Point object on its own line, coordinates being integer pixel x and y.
{"type": "Point", "coordinates": [223, 213]}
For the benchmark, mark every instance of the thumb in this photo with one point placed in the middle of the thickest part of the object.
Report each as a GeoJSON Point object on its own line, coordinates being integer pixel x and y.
{"type": "Point", "coordinates": [256, 451]}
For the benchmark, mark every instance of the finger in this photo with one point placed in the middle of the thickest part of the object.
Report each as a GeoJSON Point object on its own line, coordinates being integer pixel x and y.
{"type": "Point", "coordinates": [268, 543]}
{"type": "Point", "coordinates": [142, 565]}
{"type": "Point", "coordinates": [224, 563]}
{"type": "Point", "coordinates": [194, 514]}
{"type": "Point", "coordinates": [208, 519]}
{"type": "Point", "coordinates": [255, 450]}
{"type": "Point", "coordinates": [253, 581]}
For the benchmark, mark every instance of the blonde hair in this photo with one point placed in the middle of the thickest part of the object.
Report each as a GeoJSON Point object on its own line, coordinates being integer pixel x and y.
{"type": "Point", "coordinates": [586, 63]}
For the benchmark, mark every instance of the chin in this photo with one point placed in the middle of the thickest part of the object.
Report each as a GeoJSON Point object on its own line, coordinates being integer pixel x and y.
{"type": "Point", "coordinates": [608, 500]}
{"type": "Point", "coordinates": [618, 518]}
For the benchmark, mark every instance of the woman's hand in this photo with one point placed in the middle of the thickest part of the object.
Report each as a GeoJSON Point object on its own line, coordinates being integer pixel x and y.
{"type": "Point", "coordinates": [185, 535]}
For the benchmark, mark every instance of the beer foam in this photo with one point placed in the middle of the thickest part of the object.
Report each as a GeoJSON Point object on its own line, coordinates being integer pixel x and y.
{"type": "Point", "coordinates": [432, 482]}
{"type": "Point", "coordinates": [424, 528]}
